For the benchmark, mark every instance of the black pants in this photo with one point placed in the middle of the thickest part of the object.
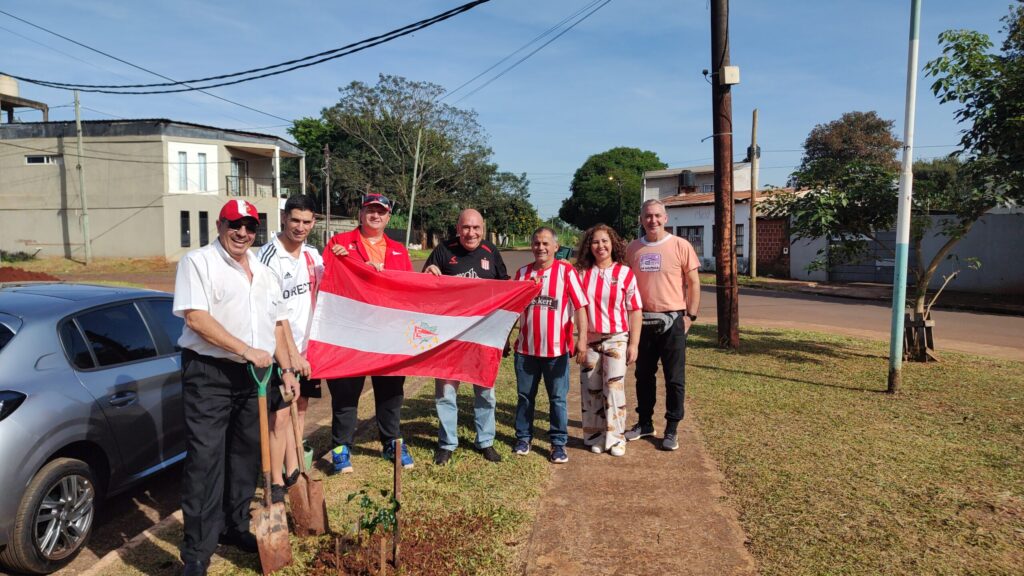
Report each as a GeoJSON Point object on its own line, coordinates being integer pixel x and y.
{"type": "Point", "coordinates": [222, 438]}
{"type": "Point", "coordinates": [670, 349]}
{"type": "Point", "coordinates": [388, 394]}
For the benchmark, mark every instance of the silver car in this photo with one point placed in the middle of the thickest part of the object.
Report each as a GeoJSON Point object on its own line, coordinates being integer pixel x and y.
{"type": "Point", "coordinates": [90, 404]}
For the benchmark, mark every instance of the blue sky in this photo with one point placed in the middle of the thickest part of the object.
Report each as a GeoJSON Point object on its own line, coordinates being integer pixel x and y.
{"type": "Point", "coordinates": [629, 75]}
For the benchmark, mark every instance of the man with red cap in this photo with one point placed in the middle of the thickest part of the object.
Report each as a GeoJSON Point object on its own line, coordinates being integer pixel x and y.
{"type": "Point", "coordinates": [369, 244]}
{"type": "Point", "coordinates": [233, 310]}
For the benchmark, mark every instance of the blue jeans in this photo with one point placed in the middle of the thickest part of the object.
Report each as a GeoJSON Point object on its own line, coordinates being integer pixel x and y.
{"type": "Point", "coordinates": [555, 371]}
{"type": "Point", "coordinates": [445, 394]}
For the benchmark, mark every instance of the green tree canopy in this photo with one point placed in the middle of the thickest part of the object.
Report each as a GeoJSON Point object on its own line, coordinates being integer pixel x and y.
{"type": "Point", "coordinates": [606, 189]}
{"type": "Point", "coordinates": [861, 137]}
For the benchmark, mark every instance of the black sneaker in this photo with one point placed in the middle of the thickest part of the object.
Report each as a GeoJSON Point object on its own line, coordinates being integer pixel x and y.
{"type": "Point", "coordinates": [639, 431]}
{"type": "Point", "coordinates": [490, 454]}
{"type": "Point", "coordinates": [244, 541]}
{"type": "Point", "coordinates": [291, 479]}
{"type": "Point", "coordinates": [442, 456]}
{"type": "Point", "coordinates": [277, 493]}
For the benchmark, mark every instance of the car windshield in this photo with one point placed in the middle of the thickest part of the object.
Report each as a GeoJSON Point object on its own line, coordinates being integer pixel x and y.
{"type": "Point", "coordinates": [8, 325]}
{"type": "Point", "coordinates": [6, 335]}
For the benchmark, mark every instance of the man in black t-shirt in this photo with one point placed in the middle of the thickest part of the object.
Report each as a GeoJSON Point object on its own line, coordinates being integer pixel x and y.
{"type": "Point", "coordinates": [471, 256]}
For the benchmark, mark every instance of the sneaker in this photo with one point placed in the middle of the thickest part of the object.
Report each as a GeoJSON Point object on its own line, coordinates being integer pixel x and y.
{"type": "Point", "coordinates": [442, 456]}
{"type": "Point", "coordinates": [670, 442]}
{"type": "Point", "coordinates": [277, 493]}
{"type": "Point", "coordinates": [639, 431]}
{"type": "Point", "coordinates": [490, 454]}
{"type": "Point", "coordinates": [522, 447]}
{"type": "Point", "coordinates": [244, 541]}
{"type": "Point", "coordinates": [618, 450]}
{"type": "Point", "coordinates": [558, 455]}
{"type": "Point", "coordinates": [389, 454]}
{"type": "Point", "coordinates": [596, 449]}
{"type": "Point", "coordinates": [341, 457]}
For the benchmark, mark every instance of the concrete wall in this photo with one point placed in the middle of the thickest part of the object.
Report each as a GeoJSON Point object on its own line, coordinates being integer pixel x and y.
{"type": "Point", "coordinates": [996, 240]}
{"type": "Point", "coordinates": [803, 252]}
{"type": "Point", "coordinates": [704, 216]}
{"type": "Point", "coordinates": [196, 205]}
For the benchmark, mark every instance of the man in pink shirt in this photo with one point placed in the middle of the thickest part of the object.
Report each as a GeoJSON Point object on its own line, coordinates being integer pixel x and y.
{"type": "Point", "coordinates": [666, 275]}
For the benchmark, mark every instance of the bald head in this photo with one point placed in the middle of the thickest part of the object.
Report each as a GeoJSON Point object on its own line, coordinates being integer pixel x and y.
{"type": "Point", "coordinates": [470, 229]}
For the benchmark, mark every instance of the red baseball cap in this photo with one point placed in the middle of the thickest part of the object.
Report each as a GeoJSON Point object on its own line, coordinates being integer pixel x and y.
{"type": "Point", "coordinates": [238, 208]}
{"type": "Point", "coordinates": [380, 199]}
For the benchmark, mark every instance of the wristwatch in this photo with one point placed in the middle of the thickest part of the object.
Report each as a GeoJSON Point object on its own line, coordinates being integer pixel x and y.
{"type": "Point", "coordinates": [692, 317]}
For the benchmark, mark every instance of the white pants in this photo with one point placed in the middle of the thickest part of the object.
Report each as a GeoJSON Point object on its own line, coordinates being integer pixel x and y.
{"type": "Point", "coordinates": [602, 389]}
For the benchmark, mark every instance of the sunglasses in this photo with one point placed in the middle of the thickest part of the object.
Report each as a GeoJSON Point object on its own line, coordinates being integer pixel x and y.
{"type": "Point", "coordinates": [377, 199]}
{"type": "Point", "coordinates": [250, 225]}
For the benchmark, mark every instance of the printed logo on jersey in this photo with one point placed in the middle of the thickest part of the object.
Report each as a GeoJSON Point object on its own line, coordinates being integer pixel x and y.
{"type": "Point", "coordinates": [545, 301]}
{"type": "Point", "coordinates": [470, 274]}
{"type": "Point", "coordinates": [650, 262]}
{"type": "Point", "coordinates": [421, 335]}
{"type": "Point", "coordinates": [453, 260]}
{"type": "Point", "coordinates": [485, 263]}
{"type": "Point", "coordinates": [287, 275]}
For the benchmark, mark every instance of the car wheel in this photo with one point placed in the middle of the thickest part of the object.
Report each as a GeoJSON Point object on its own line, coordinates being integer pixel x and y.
{"type": "Point", "coordinates": [54, 518]}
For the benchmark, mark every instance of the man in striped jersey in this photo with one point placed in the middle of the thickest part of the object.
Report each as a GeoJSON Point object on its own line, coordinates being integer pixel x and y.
{"type": "Point", "coordinates": [666, 275]}
{"type": "Point", "coordinates": [545, 342]}
{"type": "Point", "coordinates": [300, 268]}
{"type": "Point", "coordinates": [469, 255]}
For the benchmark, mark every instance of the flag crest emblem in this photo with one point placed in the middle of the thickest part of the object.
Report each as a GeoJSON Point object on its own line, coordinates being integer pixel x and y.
{"type": "Point", "coordinates": [421, 335]}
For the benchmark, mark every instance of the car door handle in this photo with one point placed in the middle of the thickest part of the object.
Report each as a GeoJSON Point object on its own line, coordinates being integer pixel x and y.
{"type": "Point", "coordinates": [123, 399]}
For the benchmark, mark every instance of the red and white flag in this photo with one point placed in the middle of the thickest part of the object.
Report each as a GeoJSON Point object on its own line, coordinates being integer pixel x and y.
{"type": "Point", "coordinates": [395, 323]}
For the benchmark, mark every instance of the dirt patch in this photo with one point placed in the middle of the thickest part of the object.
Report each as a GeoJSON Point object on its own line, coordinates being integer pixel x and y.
{"type": "Point", "coordinates": [434, 545]}
{"type": "Point", "coordinates": [8, 274]}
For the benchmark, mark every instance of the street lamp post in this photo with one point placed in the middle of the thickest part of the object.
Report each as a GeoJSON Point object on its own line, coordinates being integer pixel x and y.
{"type": "Point", "coordinates": [619, 182]}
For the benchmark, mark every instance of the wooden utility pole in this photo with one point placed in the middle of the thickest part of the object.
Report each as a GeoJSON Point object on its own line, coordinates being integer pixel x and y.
{"type": "Point", "coordinates": [327, 193]}
{"type": "Point", "coordinates": [81, 185]}
{"type": "Point", "coordinates": [755, 161]}
{"type": "Point", "coordinates": [725, 250]}
{"type": "Point", "coordinates": [415, 181]}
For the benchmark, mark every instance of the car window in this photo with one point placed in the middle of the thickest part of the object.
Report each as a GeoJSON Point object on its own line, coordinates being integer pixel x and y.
{"type": "Point", "coordinates": [162, 312]}
{"type": "Point", "coordinates": [75, 346]}
{"type": "Point", "coordinates": [117, 334]}
{"type": "Point", "coordinates": [6, 335]}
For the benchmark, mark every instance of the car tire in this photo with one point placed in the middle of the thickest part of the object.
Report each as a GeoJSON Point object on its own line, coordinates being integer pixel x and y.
{"type": "Point", "coordinates": [54, 519]}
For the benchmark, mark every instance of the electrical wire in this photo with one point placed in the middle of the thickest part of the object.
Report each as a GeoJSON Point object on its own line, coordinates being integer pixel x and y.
{"type": "Point", "coordinates": [327, 56]}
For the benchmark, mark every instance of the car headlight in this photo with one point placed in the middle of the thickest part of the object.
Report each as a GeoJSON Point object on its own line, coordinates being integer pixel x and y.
{"type": "Point", "coordinates": [9, 402]}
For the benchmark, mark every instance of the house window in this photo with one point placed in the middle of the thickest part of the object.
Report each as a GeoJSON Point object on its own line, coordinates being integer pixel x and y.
{"type": "Point", "coordinates": [707, 188]}
{"type": "Point", "coordinates": [182, 171]}
{"type": "Point", "coordinates": [261, 232]}
{"type": "Point", "coordinates": [42, 159]}
{"type": "Point", "coordinates": [204, 228]}
{"type": "Point", "coordinates": [694, 235]}
{"type": "Point", "coordinates": [202, 172]}
{"type": "Point", "coordinates": [186, 229]}
{"type": "Point", "coordinates": [739, 240]}
{"type": "Point", "coordinates": [237, 181]}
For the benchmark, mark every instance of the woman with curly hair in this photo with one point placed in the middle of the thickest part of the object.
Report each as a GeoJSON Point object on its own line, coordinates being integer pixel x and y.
{"type": "Point", "coordinates": [614, 321]}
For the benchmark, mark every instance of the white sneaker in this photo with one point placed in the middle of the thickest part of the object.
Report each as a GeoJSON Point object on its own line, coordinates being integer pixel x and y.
{"type": "Point", "coordinates": [596, 449]}
{"type": "Point", "coordinates": [618, 450]}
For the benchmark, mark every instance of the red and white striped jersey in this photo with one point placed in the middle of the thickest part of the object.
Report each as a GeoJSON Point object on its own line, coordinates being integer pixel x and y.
{"type": "Point", "coordinates": [611, 293]}
{"type": "Point", "coordinates": [545, 327]}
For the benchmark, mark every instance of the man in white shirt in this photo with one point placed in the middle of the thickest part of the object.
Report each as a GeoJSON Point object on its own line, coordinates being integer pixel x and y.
{"type": "Point", "coordinates": [300, 269]}
{"type": "Point", "coordinates": [233, 310]}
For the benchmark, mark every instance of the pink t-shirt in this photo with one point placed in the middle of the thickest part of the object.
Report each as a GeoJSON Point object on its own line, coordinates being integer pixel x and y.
{"type": "Point", "coordinates": [660, 269]}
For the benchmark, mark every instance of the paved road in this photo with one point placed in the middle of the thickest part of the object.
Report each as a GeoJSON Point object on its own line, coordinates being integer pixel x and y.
{"type": "Point", "coordinates": [988, 334]}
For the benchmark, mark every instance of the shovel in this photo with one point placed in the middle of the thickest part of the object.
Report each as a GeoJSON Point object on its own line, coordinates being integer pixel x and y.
{"type": "Point", "coordinates": [309, 510]}
{"type": "Point", "coordinates": [269, 522]}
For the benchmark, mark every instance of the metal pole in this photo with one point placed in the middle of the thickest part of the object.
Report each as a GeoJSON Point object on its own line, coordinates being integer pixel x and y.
{"type": "Point", "coordinates": [81, 185]}
{"type": "Point", "coordinates": [755, 162]}
{"type": "Point", "coordinates": [327, 193]}
{"type": "Point", "coordinates": [899, 282]}
{"type": "Point", "coordinates": [415, 179]}
{"type": "Point", "coordinates": [725, 251]}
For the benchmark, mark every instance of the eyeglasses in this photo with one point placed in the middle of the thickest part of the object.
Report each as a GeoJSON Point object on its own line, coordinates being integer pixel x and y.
{"type": "Point", "coordinates": [251, 225]}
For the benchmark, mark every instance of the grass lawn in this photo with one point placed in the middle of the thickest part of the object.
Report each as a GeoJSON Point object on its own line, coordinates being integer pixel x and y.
{"type": "Point", "coordinates": [470, 517]}
{"type": "Point", "coordinates": [99, 266]}
{"type": "Point", "coordinates": [833, 476]}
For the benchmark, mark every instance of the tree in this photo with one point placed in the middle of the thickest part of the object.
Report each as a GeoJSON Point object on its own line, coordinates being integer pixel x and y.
{"type": "Point", "coordinates": [606, 189]}
{"type": "Point", "coordinates": [856, 136]}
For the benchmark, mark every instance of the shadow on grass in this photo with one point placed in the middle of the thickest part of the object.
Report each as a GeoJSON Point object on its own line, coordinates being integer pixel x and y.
{"type": "Point", "coordinates": [790, 348]}
{"type": "Point", "coordinates": [786, 378]}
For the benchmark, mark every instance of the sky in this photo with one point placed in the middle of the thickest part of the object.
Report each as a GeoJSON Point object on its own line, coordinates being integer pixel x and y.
{"type": "Point", "coordinates": [630, 74]}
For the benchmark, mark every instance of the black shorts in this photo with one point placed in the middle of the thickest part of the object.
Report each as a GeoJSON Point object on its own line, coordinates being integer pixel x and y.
{"type": "Point", "coordinates": [307, 388]}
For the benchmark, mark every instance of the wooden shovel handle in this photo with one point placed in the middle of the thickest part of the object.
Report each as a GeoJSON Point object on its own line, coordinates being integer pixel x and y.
{"type": "Point", "coordinates": [299, 448]}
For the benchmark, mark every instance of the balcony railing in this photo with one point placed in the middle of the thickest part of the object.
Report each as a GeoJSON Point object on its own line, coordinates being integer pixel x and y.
{"type": "Point", "coordinates": [260, 187]}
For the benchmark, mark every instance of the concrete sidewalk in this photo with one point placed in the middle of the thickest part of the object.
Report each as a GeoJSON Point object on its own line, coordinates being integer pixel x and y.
{"type": "Point", "coordinates": [650, 512]}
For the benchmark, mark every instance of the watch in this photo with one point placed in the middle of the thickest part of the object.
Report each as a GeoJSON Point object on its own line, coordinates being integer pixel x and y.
{"type": "Point", "coordinates": [692, 317]}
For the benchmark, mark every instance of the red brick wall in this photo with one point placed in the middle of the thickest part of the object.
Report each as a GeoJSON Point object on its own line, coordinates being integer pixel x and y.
{"type": "Point", "coordinates": [772, 241]}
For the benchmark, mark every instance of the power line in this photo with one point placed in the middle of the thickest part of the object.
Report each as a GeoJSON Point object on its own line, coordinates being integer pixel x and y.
{"type": "Point", "coordinates": [535, 50]}
{"type": "Point", "coordinates": [327, 56]}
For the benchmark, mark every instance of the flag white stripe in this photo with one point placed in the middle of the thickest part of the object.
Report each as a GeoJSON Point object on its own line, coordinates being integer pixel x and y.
{"type": "Point", "coordinates": [360, 326]}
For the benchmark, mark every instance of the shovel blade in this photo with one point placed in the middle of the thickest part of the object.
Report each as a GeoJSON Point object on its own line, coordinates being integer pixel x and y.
{"type": "Point", "coordinates": [270, 524]}
{"type": "Point", "coordinates": [317, 507]}
{"type": "Point", "coordinates": [298, 499]}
